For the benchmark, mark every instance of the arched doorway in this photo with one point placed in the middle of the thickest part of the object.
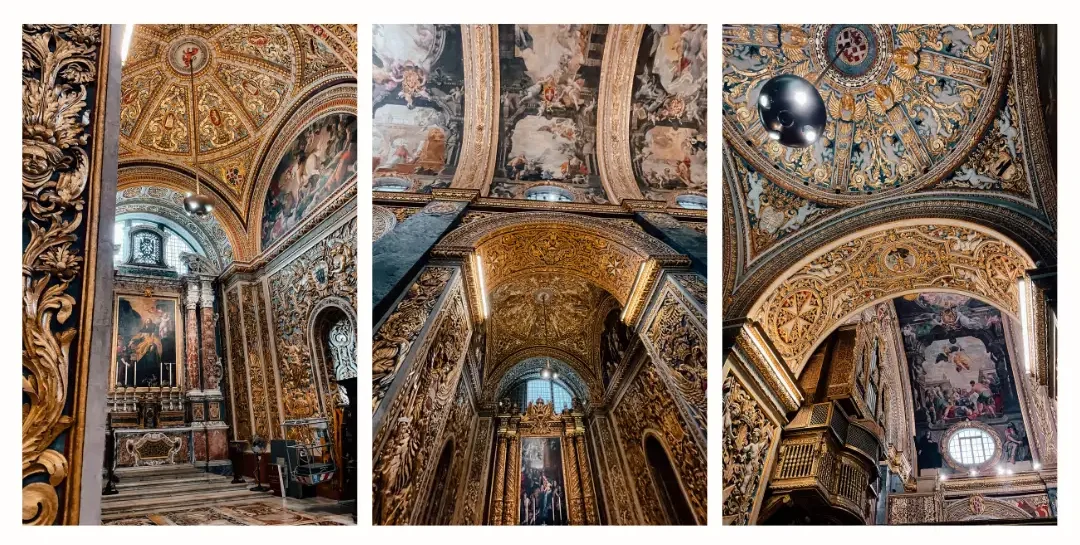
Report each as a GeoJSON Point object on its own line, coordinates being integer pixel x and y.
{"type": "Point", "coordinates": [439, 484]}
{"type": "Point", "coordinates": [333, 339]}
{"type": "Point", "coordinates": [666, 480]}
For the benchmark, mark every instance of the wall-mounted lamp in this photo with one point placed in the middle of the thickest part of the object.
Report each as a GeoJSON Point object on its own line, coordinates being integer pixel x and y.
{"type": "Point", "coordinates": [483, 287]}
{"type": "Point", "coordinates": [1025, 328]}
{"type": "Point", "coordinates": [128, 30]}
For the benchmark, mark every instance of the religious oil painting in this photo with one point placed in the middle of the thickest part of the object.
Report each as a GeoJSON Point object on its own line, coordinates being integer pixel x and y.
{"type": "Point", "coordinates": [319, 161]}
{"type": "Point", "coordinates": [543, 492]}
{"type": "Point", "coordinates": [147, 343]}
{"type": "Point", "coordinates": [967, 413]}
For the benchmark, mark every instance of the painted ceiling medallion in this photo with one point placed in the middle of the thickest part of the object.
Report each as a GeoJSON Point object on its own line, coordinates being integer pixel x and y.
{"type": "Point", "coordinates": [906, 103]}
{"type": "Point", "coordinates": [189, 53]}
{"type": "Point", "coordinates": [863, 54]}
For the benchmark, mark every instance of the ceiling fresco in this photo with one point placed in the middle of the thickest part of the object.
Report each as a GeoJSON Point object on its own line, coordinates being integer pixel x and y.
{"type": "Point", "coordinates": [545, 127]}
{"type": "Point", "coordinates": [947, 113]}
{"type": "Point", "coordinates": [668, 122]}
{"type": "Point", "coordinates": [906, 103]}
{"type": "Point", "coordinates": [418, 104]}
{"type": "Point", "coordinates": [247, 78]}
{"type": "Point", "coordinates": [549, 77]}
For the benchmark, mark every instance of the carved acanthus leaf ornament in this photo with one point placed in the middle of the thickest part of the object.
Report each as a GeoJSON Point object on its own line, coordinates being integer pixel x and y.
{"type": "Point", "coordinates": [890, 261]}
{"type": "Point", "coordinates": [58, 63]}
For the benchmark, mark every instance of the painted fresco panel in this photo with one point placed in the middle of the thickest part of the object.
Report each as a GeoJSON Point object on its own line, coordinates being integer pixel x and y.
{"type": "Point", "coordinates": [668, 125]}
{"type": "Point", "coordinates": [319, 161]}
{"type": "Point", "coordinates": [961, 377]}
{"type": "Point", "coordinates": [418, 104]}
{"type": "Point", "coordinates": [549, 77]}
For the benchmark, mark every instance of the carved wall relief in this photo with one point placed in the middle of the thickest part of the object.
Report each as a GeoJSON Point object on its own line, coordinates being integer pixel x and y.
{"type": "Point", "coordinates": [63, 115]}
{"type": "Point", "coordinates": [327, 269]}
{"type": "Point", "coordinates": [407, 442]}
{"type": "Point", "coordinates": [748, 438]}
{"type": "Point", "coordinates": [472, 501]}
{"type": "Point", "coordinates": [256, 363]}
{"type": "Point", "coordinates": [620, 503]}
{"type": "Point", "coordinates": [238, 378]}
{"type": "Point", "coordinates": [892, 260]}
{"type": "Point", "coordinates": [395, 338]}
{"type": "Point", "coordinates": [646, 406]}
{"type": "Point", "coordinates": [680, 342]}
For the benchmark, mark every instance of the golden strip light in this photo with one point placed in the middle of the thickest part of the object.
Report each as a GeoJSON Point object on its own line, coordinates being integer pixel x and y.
{"type": "Point", "coordinates": [128, 29]}
{"type": "Point", "coordinates": [1022, 294]}
{"type": "Point", "coordinates": [637, 279]}
{"type": "Point", "coordinates": [483, 288]}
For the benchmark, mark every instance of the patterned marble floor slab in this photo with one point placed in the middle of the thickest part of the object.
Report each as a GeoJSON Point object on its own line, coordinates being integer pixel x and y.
{"type": "Point", "coordinates": [262, 512]}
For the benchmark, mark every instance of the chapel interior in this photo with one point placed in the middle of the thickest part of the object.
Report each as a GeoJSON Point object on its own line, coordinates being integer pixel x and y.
{"type": "Point", "coordinates": [189, 267]}
{"type": "Point", "coordinates": [539, 274]}
{"type": "Point", "coordinates": [889, 276]}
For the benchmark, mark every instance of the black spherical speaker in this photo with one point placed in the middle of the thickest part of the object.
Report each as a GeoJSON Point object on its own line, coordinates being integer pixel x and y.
{"type": "Point", "coordinates": [791, 111]}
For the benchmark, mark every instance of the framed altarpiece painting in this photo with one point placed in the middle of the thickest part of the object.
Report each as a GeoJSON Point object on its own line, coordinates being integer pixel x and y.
{"type": "Point", "coordinates": [147, 343]}
{"type": "Point", "coordinates": [542, 475]}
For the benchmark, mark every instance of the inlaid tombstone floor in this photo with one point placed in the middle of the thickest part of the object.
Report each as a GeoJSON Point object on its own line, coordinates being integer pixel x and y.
{"type": "Point", "coordinates": [261, 511]}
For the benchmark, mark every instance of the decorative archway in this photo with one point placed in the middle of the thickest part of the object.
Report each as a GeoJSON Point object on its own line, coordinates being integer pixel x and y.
{"type": "Point", "coordinates": [669, 486]}
{"type": "Point", "coordinates": [609, 254]}
{"type": "Point", "coordinates": [568, 372]}
{"type": "Point", "coordinates": [828, 286]}
{"type": "Point", "coordinates": [324, 317]}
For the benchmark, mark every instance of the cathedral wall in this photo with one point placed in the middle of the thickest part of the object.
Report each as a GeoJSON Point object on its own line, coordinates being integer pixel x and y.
{"type": "Point", "coordinates": [425, 406]}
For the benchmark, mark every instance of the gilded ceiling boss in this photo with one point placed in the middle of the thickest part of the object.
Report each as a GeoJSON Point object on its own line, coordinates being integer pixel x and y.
{"type": "Point", "coordinates": [189, 316]}
{"type": "Point", "coordinates": [539, 274]}
{"type": "Point", "coordinates": [890, 280]}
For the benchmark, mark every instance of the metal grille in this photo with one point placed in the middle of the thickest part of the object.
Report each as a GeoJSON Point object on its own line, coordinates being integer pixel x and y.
{"type": "Point", "coordinates": [819, 414]}
{"type": "Point", "coordinates": [862, 440]}
{"type": "Point", "coordinates": [838, 424]}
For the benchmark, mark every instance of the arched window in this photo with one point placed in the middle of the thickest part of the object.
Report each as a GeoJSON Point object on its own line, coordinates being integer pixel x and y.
{"type": "Point", "coordinates": [548, 193]}
{"type": "Point", "coordinates": [145, 242]}
{"type": "Point", "coordinates": [676, 508]}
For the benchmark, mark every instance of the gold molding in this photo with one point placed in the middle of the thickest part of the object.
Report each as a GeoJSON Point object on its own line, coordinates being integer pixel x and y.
{"type": "Point", "coordinates": [61, 183]}
{"type": "Point", "coordinates": [480, 49]}
{"type": "Point", "coordinates": [613, 112]}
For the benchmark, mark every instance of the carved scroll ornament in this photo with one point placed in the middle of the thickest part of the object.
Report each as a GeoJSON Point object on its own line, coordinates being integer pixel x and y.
{"type": "Point", "coordinates": [60, 63]}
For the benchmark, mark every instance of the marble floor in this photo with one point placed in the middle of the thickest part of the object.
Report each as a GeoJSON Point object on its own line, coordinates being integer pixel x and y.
{"type": "Point", "coordinates": [252, 511]}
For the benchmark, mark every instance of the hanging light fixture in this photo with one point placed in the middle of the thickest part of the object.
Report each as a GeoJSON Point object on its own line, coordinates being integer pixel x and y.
{"type": "Point", "coordinates": [548, 372]}
{"type": "Point", "coordinates": [791, 108]}
{"type": "Point", "coordinates": [196, 204]}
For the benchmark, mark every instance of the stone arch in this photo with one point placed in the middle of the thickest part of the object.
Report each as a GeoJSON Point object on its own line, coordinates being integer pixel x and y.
{"type": "Point", "coordinates": [321, 366]}
{"type": "Point", "coordinates": [570, 371]}
{"type": "Point", "coordinates": [828, 286]}
{"type": "Point", "coordinates": [130, 191]}
{"type": "Point", "coordinates": [655, 435]}
{"type": "Point", "coordinates": [607, 253]}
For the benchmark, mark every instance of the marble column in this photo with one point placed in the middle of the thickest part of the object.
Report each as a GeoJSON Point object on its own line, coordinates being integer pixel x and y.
{"type": "Point", "coordinates": [191, 334]}
{"type": "Point", "coordinates": [211, 442]}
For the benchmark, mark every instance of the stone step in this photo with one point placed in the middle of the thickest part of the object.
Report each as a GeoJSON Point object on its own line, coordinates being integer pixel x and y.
{"type": "Point", "coordinates": [136, 474]}
{"type": "Point", "coordinates": [134, 506]}
{"type": "Point", "coordinates": [200, 477]}
{"type": "Point", "coordinates": [170, 489]}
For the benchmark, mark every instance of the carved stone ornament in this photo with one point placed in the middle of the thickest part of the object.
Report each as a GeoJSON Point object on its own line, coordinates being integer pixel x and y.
{"type": "Point", "coordinates": [60, 69]}
{"type": "Point", "coordinates": [748, 438]}
{"type": "Point", "coordinates": [888, 261]}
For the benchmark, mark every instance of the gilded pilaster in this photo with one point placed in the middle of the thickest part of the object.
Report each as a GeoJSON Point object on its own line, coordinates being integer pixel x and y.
{"type": "Point", "coordinates": [191, 333]}
{"type": "Point", "coordinates": [573, 481]}
{"type": "Point", "coordinates": [498, 484]}
{"type": "Point", "coordinates": [513, 480]}
{"type": "Point", "coordinates": [588, 497]}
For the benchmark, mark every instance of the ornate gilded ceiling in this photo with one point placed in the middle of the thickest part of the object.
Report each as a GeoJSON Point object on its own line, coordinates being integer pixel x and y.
{"type": "Point", "coordinates": [249, 79]}
{"type": "Point", "coordinates": [922, 121]}
{"type": "Point", "coordinates": [544, 311]}
{"type": "Point", "coordinates": [905, 103]}
{"type": "Point", "coordinates": [599, 112]}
